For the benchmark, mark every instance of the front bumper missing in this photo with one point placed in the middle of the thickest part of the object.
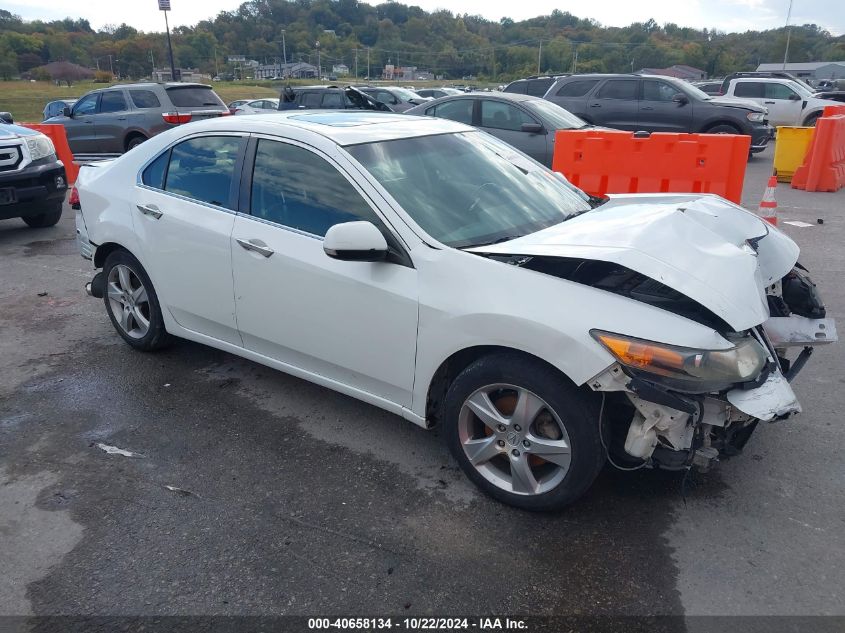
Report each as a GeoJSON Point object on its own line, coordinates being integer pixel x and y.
{"type": "Point", "coordinates": [773, 400]}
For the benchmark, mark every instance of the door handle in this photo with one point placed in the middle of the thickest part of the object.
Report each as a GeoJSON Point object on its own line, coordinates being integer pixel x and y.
{"type": "Point", "coordinates": [595, 105]}
{"type": "Point", "coordinates": [150, 210]}
{"type": "Point", "coordinates": [121, 118]}
{"type": "Point", "coordinates": [769, 102]}
{"type": "Point", "coordinates": [646, 108]}
{"type": "Point", "coordinates": [256, 246]}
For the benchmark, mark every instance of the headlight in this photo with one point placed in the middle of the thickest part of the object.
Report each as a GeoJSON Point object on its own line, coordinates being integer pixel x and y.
{"type": "Point", "coordinates": [685, 368]}
{"type": "Point", "coordinates": [758, 117]}
{"type": "Point", "coordinates": [39, 146]}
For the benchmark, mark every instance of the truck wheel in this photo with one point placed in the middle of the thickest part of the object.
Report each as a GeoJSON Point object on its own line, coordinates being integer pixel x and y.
{"type": "Point", "coordinates": [724, 128]}
{"type": "Point", "coordinates": [811, 120]}
{"type": "Point", "coordinates": [523, 432]}
{"type": "Point", "coordinates": [132, 303]}
{"type": "Point", "coordinates": [51, 215]}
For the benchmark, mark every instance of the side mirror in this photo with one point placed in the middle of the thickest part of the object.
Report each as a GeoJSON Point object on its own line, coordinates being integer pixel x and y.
{"type": "Point", "coordinates": [355, 242]}
{"type": "Point", "coordinates": [6, 117]}
{"type": "Point", "coordinates": [794, 97]}
{"type": "Point", "coordinates": [680, 99]}
{"type": "Point", "coordinates": [66, 111]}
{"type": "Point", "coordinates": [532, 128]}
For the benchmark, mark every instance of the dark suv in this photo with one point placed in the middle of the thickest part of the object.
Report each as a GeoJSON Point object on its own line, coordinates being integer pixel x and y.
{"type": "Point", "coordinates": [327, 98]}
{"type": "Point", "coordinates": [658, 104]}
{"type": "Point", "coordinates": [116, 119]}
{"type": "Point", "coordinates": [536, 86]}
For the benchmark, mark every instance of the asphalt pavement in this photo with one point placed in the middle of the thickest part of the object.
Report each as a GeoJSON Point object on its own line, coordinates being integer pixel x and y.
{"type": "Point", "coordinates": [249, 492]}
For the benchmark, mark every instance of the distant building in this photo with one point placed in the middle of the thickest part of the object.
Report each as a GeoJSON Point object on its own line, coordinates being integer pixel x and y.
{"type": "Point", "coordinates": [294, 70]}
{"type": "Point", "coordinates": [404, 73]}
{"type": "Point", "coordinates": [182, 74]}
{"type": "Point", "coordinates": [809, 70]}
{"type": "Point", "coordinates": [340, 70]}
{"type": "Point", "coordinates": [680, 71]}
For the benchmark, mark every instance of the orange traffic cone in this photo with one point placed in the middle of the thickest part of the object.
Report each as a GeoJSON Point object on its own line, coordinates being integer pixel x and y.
{"type": "Point", "coordinates": [768, 209]}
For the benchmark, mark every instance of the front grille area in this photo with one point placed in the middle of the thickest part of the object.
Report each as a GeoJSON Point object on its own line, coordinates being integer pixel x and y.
{"type": "Point", "coordinates": [10, 157]}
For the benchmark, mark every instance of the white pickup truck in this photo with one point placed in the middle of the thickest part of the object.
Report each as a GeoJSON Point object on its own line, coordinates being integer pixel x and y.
{"type": "Point", "coordinates": [788, 102]}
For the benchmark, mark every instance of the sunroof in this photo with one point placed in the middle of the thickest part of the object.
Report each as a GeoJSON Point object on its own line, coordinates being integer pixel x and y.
{"type": "Point", "coordinates": [346, 118]}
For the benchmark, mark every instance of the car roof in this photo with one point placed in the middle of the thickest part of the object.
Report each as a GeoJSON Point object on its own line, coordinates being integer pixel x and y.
{"type": "Point", "coordinates": [343, 127]}
{"type": "Point", "coordinates": [500, 96]}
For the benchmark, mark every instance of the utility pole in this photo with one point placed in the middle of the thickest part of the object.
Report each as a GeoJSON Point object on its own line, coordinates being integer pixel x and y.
{"type": "Point", "coordinates": [539, 56]}
{"type": "Point", "coordinates": [216, 67]}
{"type": "Point", "coordinates": [111, 64]}
{"type": "Point", "coordinates": [575, 60]}
{"type": "Point", "coordinates": [284, 49]}
{"type": "Point", "coordinates": [368, 63]}
{"type": "Point", "coordinates": [356, 64]}
{"type": "Point", "coordinates": [788, 34]}
{"type": "Point", "coordinates": [494, 62]}
{"type": "Point", "coordinates": [164, 5]}
{"type": "Point", "coordinates": [319, 67]}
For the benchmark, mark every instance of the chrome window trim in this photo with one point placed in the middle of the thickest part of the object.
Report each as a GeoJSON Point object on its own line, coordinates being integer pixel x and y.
{"type": "Point", "coordinates": [179, 196]}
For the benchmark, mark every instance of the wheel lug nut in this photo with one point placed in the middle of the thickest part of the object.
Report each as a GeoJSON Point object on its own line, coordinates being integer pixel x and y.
{"type": "Point", "coordinates": [526, 443]}
{"type": "Point", "coordinates": [502, 428]}
{"type": "Point", "coordinates": [515, 453]}
{"type": "Point", "coordinates": [516, 427]}
{"type": "Point", "coordinates": [501, 442]}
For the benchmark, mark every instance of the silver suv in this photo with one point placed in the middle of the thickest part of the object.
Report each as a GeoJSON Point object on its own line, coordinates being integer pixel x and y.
{"type": "Point", "coordinates": [114, 120]}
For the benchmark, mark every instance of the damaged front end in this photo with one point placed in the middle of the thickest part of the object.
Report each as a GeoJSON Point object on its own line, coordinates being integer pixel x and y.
{"type": "Point", "coordinates": [675, 408]}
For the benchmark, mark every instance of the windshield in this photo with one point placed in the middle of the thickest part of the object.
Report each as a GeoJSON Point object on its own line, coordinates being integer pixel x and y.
{"type": "Point", "coordinates": [801, 90]}
{"type": "Point", "coordinates": [555, 117]}
{"type": "Point", "coordinates": [470, 189]}
{"type": "Point", "coordinates": [404, 94]}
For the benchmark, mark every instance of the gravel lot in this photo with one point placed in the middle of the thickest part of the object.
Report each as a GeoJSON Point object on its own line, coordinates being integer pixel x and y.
{"type": "Point", "coordinates": [291, 499]}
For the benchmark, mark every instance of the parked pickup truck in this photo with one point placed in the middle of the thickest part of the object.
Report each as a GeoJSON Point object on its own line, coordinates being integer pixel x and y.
{"type": "Point", "coordinates": [32, 178]}
{"type": "Point", "coordinates": [788, 102]}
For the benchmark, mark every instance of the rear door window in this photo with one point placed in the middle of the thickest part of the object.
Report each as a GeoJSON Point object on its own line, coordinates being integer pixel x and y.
{"type": "Point", "coordinates": [750, 89]}
{"type": "Point", "coordinates": [203, 169]}
{"type": "Point", "coordinates": [518, 87]}
{"type": "Point", "coordinates": [193, 97]}
{"type": "Point", "coordinates": [144, 99]}
{"type": "Point", "coordinates": [539, 87]}
{"type": "Point", "coordinates": [332, 100]}
{"type": "Point", "coordinates": [577, 88]}
{"type": "Point", "coordinates": [621, 89]}
{"type": "Point", "coordinates": [112, 101]}
{"type": "Point", "coordinates": [459, 110]}
{"type": "Point", "coordinates": [311, 100]}
{"type": "Point", "coordinates": [503, 116]}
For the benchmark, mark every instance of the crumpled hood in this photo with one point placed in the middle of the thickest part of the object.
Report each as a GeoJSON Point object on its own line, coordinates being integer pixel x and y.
{"type": "Point", "coordinates": [700, 245]}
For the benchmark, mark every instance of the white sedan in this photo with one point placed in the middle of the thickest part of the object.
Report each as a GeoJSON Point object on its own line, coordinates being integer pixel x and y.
{"type": "Point", "coordinates": [257, 106]}
{"type": "Point", "coordinates": [431, 270]}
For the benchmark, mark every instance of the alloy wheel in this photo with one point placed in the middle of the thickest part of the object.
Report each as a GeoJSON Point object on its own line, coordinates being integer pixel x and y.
{"type": "Point", "coordinates": [514, 439]}
{"type": "Point", "coordinates": [129, 301]}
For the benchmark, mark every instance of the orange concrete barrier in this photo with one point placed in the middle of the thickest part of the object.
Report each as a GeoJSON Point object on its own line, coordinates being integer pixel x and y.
{"type": "Point", "coordinates": [833, 109]}
{"type": "Point", "coordinates": [58, 135]}
{"type": "Point", "coordinates": [824, 166]}
{"type": "Point", "coordinates": [601, 162]}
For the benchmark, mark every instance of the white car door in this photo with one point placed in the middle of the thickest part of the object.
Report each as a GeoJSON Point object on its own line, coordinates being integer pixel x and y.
{"type": "Point", "coordinates": [183, 218]}
{"type": "Point", "coordinates": [351, 322]}
{"type": "Point", "coordinates": [784, 104]}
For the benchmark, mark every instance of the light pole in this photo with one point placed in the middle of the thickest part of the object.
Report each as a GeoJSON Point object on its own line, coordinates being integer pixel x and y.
{"type": "Point", "coordinates": [319, 68]}
{"type": "Point", "coordinates": [284, 52]}
{"type": "Point", "coordinates": [164, 5]}
{"type": "Point", "coordinates": [788, 34]}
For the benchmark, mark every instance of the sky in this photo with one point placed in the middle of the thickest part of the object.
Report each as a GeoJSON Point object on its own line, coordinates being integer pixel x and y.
{"type": "Point", "coordinates": [724, 15]}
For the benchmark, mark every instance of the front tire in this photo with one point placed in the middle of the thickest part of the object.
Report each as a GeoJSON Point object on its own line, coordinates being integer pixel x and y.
{"type": "Point", "coordinates": [723, 129]}
{"type": "Point", "coordinates": [132, 303]}
{"type": "Point", "coordinates": [522, 432]}
{"type": "Point", "coordinates": [51, 216]}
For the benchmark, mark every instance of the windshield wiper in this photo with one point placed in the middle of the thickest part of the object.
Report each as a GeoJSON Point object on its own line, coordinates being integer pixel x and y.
{"type": "Point", "coordinates": [507, 238]}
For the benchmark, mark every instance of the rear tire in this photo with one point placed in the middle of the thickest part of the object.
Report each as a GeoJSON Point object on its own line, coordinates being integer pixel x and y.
{"type": "Point", "coordinates": [135, 141]}
{"type": "Point", "coordinates": [51, 215]}
{"type": "Point", "coordinates": [132, 304]}
{"type": "Point", "coordinates": [522, 432]}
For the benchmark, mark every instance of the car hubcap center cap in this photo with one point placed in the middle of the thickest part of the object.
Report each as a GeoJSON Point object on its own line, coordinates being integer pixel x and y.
{"type": "Point", "coordinates": [513, 438]}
